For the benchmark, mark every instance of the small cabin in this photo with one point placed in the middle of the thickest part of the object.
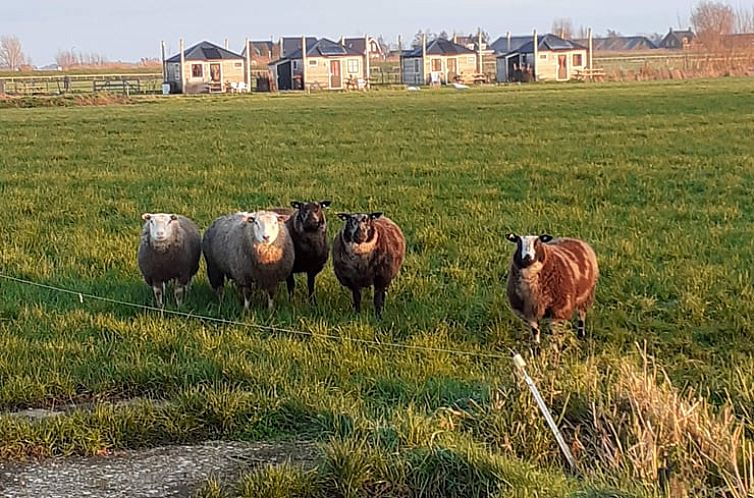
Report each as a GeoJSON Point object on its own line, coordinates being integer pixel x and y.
{"type": "Point", "coordinates": [206, 68]}
{"type": "Point", "coordinates": [551, 59]}
{"type": "Point", "coordinates": [440, 62]}
{"type": "Point", "coordinates": [323, 64]}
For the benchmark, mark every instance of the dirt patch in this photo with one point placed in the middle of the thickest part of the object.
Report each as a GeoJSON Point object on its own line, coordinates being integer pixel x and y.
{"type": "Point", "coordinates": [170, 471]}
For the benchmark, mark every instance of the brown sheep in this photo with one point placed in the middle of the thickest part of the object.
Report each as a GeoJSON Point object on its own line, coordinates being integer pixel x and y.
{"type": "Point", "coordinates": [551, 278]}
{"type": "Point", "coordinates": [368, 251]}
{"type": "Point", "coordinates": [170, 249]}
{"type": "Point", "coordinates": [307, 226]}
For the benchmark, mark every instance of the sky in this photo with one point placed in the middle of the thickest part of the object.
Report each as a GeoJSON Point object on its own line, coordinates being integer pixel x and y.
{"type": "Point", "coordinates": [133, 29]}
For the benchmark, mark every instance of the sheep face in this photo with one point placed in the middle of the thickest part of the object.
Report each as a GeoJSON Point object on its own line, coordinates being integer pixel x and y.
{"type": "Point", "coordinates": [311, 215]}
{"type": "Point", "coordinates": [528, 248]}
{"type": "Point", "coordinates": [162, 226]}
{"type": "Point", "coordinates": [265, 226]}
{"type": "Point", "coordinates": [359, 226]}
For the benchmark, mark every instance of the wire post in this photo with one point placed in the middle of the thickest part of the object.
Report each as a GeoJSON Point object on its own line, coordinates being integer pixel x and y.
{"type": "Point", "coordinates": [520, 364]}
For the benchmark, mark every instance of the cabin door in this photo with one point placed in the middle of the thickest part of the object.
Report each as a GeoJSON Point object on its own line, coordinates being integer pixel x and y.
{"type": "Point", "coordinates": [336, 80]}
{"type": "Point", "coordinates": [215, 72]}
{"type": "Point", "coordinates": [562, 67]}
{"type": "Point", "coordinates": [452, 69]}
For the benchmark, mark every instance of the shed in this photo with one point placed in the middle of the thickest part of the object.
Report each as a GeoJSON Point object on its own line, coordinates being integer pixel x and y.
{"type": "Point", "coordinates": [206, 68]}
{"type": "Point", "coordinates": [441, 61]}
{"type": "Point", "coordinates": [678, 40]}
{"type": "Point", "coordinates": [552, 59]}
{"type": "Point", "coordinates": [324, 64]}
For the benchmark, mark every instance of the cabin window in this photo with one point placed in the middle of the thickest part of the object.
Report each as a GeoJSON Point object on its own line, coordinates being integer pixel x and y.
{"type": "Point", "coordinates": [295, 64]}
{"type": "Point", "coordinates": [578, 60]}
{"type": "Point", "coordinates": [472, 60]}
{"type": "Point", "coordinates": [197, 70]}
{"type": "Point", "coordinates": [436, 64]}
{"type": "Point", "coordinates": [238, 64]}
{"type": "Point", "coordinates": [417, 66]}
{"type": "Point", "coordinates": [353, 66]}
{"type": "Point", "coordinates": [312, 62]}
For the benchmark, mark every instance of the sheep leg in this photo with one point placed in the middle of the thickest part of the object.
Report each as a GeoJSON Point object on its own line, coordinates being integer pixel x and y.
{"type": "Point", "coordinates": [246, 293]}
{"type": "Point", "coordinates": [535, 337]}
{"type": "Point", "coordinates": [159, 292]}
{"type": "Point", "coordinates": [356, 300]}
{"type": "Point", "coordinates": [379, 302]}
{"type": "Point", "coordinates": [291, 283]}
{"type": "Point", "coordinates": [271, 300]}
{"type": "Point", "coordinates": [581, 327]}
{"type": "Point", "coordinates": [310, 284]}
{"type": "Point", "coordinates": [179, 292]}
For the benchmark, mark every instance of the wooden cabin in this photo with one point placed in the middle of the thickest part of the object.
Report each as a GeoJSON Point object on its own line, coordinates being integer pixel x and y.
{"type": "Point", "coordinates": [323, 65]}
{"type": "Point", "coordinates": [551, 59]}
{"type": "Point", "coordinates": [206, 68]}
{"type": "Point", "coordinates": [438, 62]}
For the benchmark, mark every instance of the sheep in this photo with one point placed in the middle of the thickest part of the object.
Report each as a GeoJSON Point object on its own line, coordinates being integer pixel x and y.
{"type": "Point", "coordinates": [251, 249]}
{"type": "Point", "coordinates": [551, 278]}
{"type": "Point", "coordinates": [307, 226]}
{"type": "Point", "coordinates": [170, 249]}
{"type": "Point", "coordinates": [368, 251]}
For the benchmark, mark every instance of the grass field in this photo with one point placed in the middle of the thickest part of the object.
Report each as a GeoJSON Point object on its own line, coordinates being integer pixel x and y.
{"type": "Point", "coordinates": [657, 177]}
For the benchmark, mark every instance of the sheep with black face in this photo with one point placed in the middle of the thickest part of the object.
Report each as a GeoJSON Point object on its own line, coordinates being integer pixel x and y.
{"type": "Point", "coordinates": [368, 251]}
{"type": "Point", "coordinates": [251, 249]}
{"type": "Point", "coordinates": [551, 278]}
{"type": "Point", "coordinates": [307, 226]}
{"type": "Point", "coordinates": [170, 249]}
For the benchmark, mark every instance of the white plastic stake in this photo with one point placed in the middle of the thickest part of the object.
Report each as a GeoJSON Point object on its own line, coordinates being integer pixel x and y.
{"type": "Point", "coordinates": [520, 365]}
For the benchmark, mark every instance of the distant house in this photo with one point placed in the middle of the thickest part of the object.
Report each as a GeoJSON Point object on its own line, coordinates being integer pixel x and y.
{"type": "Point", "coordinates": [442, 61]}
{"type": "Point", "coordinates": [553, 59]}
{"type": "Point", "coordinates": [207, 68]}
{"type": "Point", "coordinates": [261, 53]}
{"type": "Point", "coordinates": [678, 40]}
{"type": "Point", "coordinates": [359, 45]}
{"type": "Point", "coordinates": [324, 64]}
{"type": "Point", "coordinates": [619, 43]}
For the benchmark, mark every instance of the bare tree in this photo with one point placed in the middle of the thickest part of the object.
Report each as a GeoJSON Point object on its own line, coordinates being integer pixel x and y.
{"type": "Point", "coordinates": [66, 59]}
{"type": "Point", "coordinates": [583, 32]}
{"type": "Point", "coordinates": [744, 20]}
{"type": "Point", "coordinates": [611, 33]}
{"type": "Point", "coordinates": [563, 27]}
{"type": "Point", "coordinates": [444, 35]}
{"type": "Point", "coordinates": [712, 21]}
{"type": "Point", "coordinates": [11, 54]}
{"type": "Point", "coordinates": [417, 41]}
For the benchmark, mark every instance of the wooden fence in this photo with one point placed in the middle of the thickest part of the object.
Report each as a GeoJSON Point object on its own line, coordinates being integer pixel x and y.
{"type": "Point", "coordinates": [147, 83]}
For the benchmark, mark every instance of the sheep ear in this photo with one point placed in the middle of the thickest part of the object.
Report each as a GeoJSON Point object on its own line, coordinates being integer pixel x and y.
{"type": "Point", "coordinates": [173, 217]}
{"type": "Point", "coordinates": [282, 218]}
{"type": "Point", "coordinates": [375, 215]}
{"type": "Point", "coordinates": [248, 218]}
{"type": "Point", "coordinates": [512, 237]}
{"type": "Point", "coordinates": [296, 204]}
{"type": "Point", "coordinates": [344, 216]}
{"type": "Point", "coordinates": [325, 204]}
{"type": "Point", "coordinates": [545, 238]}
{"type": "Point", "coordinates": [146, 216]}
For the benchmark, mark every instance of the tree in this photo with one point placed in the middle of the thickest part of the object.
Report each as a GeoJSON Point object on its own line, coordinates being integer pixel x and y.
{"type": "Point", "coordinates": [417, 41]}
{"type": "Point", "coordinates": [744, 20]}
{"type": "Point", "coordinates": [383, 44]}
{"type": "Point", "coordinates": [485, 37]}
{"type": "Point", "coordinates": [611, 33]}
{"type": "Point", "coordinates": [711, 21]}
{"type": "Point", "coordinates": [11, 54]}
{"type": "Point", "coordinates": [444, 35]}
{"type": "Point", "coordinates": [563, 27]}
{"type": "Point", "coordinates": [66, 59]}
{"type": "Point", "coordinates": [583, 32]}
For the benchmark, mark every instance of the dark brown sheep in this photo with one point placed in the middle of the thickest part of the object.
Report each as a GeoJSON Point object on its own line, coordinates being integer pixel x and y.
{"type": "Point", "coordinates": [368, 251]}
{"type": "Point", "coordinates": [551, 278]}
{"type": "Point", "coordinates": [170, 249]}
{"type": "Point", "coordinates": [307, 226]}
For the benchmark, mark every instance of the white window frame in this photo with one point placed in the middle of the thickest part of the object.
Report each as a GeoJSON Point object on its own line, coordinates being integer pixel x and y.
{"type": "Point", "coordinates": [355, 68]}
{"type": "Point", "coordinates": [313, 62]}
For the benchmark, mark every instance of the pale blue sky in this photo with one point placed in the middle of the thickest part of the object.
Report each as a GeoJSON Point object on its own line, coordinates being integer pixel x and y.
{"type": "Point", "coordinates": [133, 29]}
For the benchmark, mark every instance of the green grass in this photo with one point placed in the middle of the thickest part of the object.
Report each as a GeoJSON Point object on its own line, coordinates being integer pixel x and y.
{"type": "Point", "coordinates": [658, 177]}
